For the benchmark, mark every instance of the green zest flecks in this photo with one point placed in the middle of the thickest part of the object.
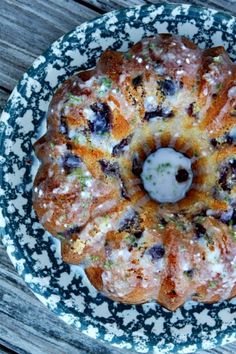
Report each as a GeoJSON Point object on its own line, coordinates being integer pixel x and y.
{"type": "Point", "coordinates": [95, 258]}
{"type": "Point", "coordinates": [212, 284]}
{"type": "Point", "coordinates": [106, 85]}
{"type": "Point", "coordinates": [108, 264]}
{"type": "Point", "coordinates": [75, 99]}
{"type": "Point", "coordinates": [131, 239]}
{"type": "Point", "coordinates": [80, 174]}
{"type": "Point", "coordinates": [219, 86]}
{"type": "Point", "coordinates": [233, 234]}
{"type": "Point", "coordinates": [163, 167]}
{"type": "Point", "coordinates": [52, 145]}
{"type": "Point", "coordinates": [217, 59]}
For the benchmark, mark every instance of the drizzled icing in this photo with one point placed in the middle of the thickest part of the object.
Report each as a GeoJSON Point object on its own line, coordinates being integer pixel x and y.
{"type": "Point", "coordinates": [176, 241]}
{"type": "Point", "coordinates": [160, 175]}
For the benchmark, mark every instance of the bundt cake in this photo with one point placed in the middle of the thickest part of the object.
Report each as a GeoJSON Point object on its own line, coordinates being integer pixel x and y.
{"type": "Point", "coordinates": [138, 172]}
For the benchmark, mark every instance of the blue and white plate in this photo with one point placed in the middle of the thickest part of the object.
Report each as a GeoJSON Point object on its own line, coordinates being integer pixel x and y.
{"type": "Point", "coordinates": [36, 256]}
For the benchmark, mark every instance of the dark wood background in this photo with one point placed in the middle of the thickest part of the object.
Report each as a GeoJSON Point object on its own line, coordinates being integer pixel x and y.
{"type": "Point", "coordinates": [27, 28]}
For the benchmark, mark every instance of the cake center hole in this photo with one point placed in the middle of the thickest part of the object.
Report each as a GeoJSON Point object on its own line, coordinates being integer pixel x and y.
{"type": "Point", "coordinates": [167, 175]}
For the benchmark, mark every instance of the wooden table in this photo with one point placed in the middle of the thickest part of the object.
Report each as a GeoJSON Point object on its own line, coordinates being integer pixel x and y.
{"type": "Point", "coordinates": [26, 29]}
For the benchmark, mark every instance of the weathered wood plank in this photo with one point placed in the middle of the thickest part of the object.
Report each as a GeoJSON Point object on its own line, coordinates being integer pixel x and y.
{"type": "Point", "coordinates": [50, 20]}
{"type": "Point", "coordinates": [14, 61]}
{"type": "Point", "coordinates": [20, 45]}
{"type": "Point", "coordinates": [91, 6]}
{"type": "Point", "coordinates": [113, 5]}
{"type": "Point", "coordinates": [228, 6]}
{"type": "Point", "coordinates": [4, 350]}
{"type": "Point", "coordinates": [4, 94]}
{"type": "Point", "coordinates": [36, 329]}
{"type": "Point", "coordinates": [224, 5]}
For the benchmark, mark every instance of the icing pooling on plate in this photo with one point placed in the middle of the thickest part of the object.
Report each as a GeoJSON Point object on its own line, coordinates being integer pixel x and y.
{"type": "Point", "coordinates": [160, 175]}
{"type": "Point", "coordinates": [142, 328]}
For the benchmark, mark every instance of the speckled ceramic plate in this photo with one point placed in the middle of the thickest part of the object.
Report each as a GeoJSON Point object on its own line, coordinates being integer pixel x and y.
{"type": "Point", "coordinates": [36, 256]}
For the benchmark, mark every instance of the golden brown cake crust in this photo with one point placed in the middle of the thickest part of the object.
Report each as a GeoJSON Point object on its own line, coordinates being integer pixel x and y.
{"type": "Point", "coordinates": [101, 126]}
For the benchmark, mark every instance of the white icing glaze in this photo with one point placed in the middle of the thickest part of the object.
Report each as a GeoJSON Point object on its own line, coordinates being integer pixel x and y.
{"type": "Point", "coordinates": [103, 142]}
{"type": "Point", "coordinates": [89, 114]}
{"type": "Point", "coordinates": [88, 83]}
{"type": "Point", "coordinates": [159, 175]}
{"type": "Point", "coordinates": [232, 92]}
{"type": "Point", "coordinates": [150, 103]}
{"type": "Point", "coordinates": [232, 133]}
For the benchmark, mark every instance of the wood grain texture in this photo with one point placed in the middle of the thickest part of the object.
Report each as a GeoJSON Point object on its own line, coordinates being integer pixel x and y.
{"type": "Point", "coordinates": [228, 6]}
{"type": "Point", "coordinates": [4, 94]}
{"type": "Point", "coordinates": [4, 350]}
{"type": "Point", "coordinates": [26, 326]}
{"type": "Point", "coordinates": [20, 45]}
{"type": "Point", "coordinates": [114, 5]}
{"type": "Point", "coordinates": [224, 5]}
